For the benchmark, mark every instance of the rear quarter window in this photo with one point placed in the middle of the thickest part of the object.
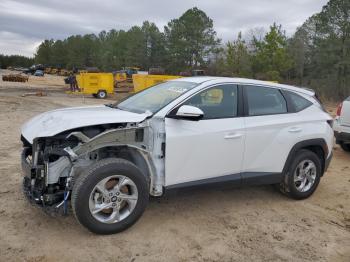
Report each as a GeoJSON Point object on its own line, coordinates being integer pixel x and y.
{"type": "Point", "coordinates": [298, 102]}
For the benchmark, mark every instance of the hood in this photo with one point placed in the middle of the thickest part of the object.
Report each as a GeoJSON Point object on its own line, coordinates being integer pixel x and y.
{"type": "Point", "coordinates": [57, 121]}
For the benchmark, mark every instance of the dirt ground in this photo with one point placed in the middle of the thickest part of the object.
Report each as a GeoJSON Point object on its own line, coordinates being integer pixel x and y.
{"type": "Point", "coordinates": [233, 224]}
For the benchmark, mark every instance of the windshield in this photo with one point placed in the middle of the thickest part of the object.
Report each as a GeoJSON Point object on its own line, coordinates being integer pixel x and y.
{"type": "Point", "coordinates": [155, 98]}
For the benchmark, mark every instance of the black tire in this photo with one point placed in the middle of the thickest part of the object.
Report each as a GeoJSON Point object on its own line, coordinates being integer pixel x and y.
{"type": "Point", "coordinates": [85, 183]}
{"type": "Point", "coordinates": [345, 147]}
{"type": "Point", "coordinates": [288, 187]}
{"type": "Point", "coordinates": [101, 94]}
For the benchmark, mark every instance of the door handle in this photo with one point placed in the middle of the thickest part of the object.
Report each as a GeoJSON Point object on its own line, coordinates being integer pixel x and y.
{"type": "Point", "coordinates": [233, 135]}
{"type": "Point", "coordinates": [295, 129]}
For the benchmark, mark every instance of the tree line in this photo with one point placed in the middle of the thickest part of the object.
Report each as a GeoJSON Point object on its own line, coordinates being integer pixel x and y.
{"type": "Point", "coordinates": [15, 61]}
{"type": "Point", "coordinates": [186, 42]}
{"type": "Point", "coordinates": [316, 56]}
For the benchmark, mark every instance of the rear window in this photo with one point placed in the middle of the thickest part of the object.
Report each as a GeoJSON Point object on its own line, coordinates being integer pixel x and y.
{"type": "Point", "coordinates": [299, 103]}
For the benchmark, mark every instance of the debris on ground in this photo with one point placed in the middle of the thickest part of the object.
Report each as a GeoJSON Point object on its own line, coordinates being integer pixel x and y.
{"type": "Point", "coordinates": [15, 78]}
{"type": "Point", "coordinates": [35, 94]}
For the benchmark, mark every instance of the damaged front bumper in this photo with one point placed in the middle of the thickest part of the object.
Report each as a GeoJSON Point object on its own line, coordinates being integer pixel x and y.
{"type": "Point", "coordinates": [35, 188]}
{"type": "Point", "coordinates": [51, 164]}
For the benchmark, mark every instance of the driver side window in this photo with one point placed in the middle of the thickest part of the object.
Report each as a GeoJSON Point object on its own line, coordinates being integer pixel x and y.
{"type": "Point", "coordinates": [216, 102]}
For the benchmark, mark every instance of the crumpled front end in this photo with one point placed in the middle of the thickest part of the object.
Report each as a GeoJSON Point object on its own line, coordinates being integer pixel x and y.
{"type": "Point", "coordinates": [50, 164]}
{"type": "Point", "coordinates": [38, 160]}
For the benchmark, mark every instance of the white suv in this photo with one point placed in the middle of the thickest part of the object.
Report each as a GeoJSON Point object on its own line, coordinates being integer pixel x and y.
{"type": "Point", "coordinates": [342, 125]}
{"type": "Point", "coordinates": [107, 160]}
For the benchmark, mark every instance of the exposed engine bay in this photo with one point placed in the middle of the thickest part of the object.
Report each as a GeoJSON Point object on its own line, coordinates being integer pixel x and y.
{"type": "Point", "coordinates": [52, 163]}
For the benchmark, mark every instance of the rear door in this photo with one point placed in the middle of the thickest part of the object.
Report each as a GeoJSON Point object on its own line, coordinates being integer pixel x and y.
{"type": "Point", "coordinates": [270, 133]}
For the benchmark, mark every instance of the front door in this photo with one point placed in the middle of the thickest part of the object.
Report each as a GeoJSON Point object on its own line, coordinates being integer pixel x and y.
{"type": "Point", "coordinates": [210, 149]}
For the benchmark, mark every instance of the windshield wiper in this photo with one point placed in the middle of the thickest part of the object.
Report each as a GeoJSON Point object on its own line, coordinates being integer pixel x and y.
{"type": "Point", "coordinates": [112, 106]}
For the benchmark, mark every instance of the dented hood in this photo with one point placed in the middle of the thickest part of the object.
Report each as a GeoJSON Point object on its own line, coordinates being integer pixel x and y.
{"type": "Point", "coordinates": [57, 121]}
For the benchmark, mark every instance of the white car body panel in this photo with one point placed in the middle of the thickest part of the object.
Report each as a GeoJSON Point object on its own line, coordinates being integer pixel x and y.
{"type": "Point", "coordinates": [266, 145]}
{"type": "Point", "coordinates": [344, 118]}
{"type": "Point", "coordinates": [197, 150]}
{"type": "Point", "coordinates": [269, 139]}
{"type": "Point", "coordinates": [54, 122]}
{"type": "Point", "coordinates": [342, 122]}
{"type": "Point", "coordinates": [340, 128]}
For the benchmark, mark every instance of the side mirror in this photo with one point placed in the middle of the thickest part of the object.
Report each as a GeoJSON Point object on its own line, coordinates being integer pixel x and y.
{"type": "Point", "coordinates": [189, 112]}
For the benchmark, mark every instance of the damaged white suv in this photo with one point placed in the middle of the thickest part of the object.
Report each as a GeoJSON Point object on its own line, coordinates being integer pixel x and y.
{"type": "Point", "coordinates": [107, 160]}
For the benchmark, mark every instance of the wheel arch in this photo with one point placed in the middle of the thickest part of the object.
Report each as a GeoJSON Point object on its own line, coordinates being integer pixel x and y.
{"type": "Point", "coordinates": [317, 146]}
{"type": "Point", "coordinates": [125, 143]}
{"type": "Point", "coordinates": [131, 153]}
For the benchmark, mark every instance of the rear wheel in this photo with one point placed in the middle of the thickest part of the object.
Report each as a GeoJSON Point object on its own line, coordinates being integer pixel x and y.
{"type": "Point", "coordinates": [110, 197]}
{"type": "Point", "coordinates": [303, 175]}
{"type": "Point", "coordinates": [345, 147]}
{"type": "Point", "coordinates": [101, 94]}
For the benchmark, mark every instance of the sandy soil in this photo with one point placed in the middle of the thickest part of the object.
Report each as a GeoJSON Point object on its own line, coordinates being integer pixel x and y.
{"type": "Point", "coordinates": [232, 224]}
{"type": "Point", "coordinates": [47, 83]}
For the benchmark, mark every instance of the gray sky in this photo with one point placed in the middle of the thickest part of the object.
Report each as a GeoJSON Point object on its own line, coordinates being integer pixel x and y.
{"type": "Point", "coordinates": [25, 23]}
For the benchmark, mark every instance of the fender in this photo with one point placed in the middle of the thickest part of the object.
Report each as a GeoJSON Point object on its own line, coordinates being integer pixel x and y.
{"type": "Point", "coordinates": [134, 138]}
{"type": "Point", "coordinates": [318, 142]}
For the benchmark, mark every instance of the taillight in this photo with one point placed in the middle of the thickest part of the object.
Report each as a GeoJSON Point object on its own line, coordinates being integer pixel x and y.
{"type": "Point", "coordinates": [340, 106]}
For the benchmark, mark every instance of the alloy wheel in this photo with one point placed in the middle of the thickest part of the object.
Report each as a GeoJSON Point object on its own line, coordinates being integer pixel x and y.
{"type": "Point", "coordinates": [305, 175]}
{"type": "Point", "coordinates": [113, 199]}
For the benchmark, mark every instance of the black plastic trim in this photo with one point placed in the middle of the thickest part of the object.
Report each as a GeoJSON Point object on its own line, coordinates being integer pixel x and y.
{"type": "Point", "coordinates": [25, 142]}
{"type": "Point", "coordinates": [190, 118]}
{"type": "Point", "coordinates": [303, 144]}
{"type": "Point", "coordinates": [261, 178]}
{"type": "Point", "coordinates": [240, 100]}
{"type": "Point", "coordinates": [234, 178]}
{"type": "Point", "coordinates": [245, 178]}
{"type": "Point", "coordinates": [290, 103]}
{"type": "Point", "coordinates": [327, 162]}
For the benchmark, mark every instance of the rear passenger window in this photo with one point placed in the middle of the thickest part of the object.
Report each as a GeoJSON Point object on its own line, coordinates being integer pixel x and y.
{"type": "Point", "coordinates": [265, 101]}
{"type": "Point", "coordinates": [298, 102]}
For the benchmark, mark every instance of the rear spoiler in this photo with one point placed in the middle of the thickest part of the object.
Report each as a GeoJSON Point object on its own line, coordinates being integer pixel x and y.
{"type": "Point", "coordinates": [310, 90]}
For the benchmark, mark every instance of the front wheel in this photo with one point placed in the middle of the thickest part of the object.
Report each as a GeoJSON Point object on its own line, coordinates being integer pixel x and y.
{"type": "Point", "coordinates": [110, 197]}
{"type": "Point", "coordinates": [303, 175]}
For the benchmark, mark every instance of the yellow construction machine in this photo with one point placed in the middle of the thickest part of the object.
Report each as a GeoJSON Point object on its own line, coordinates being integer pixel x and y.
{"type": "Point", "coordinates": [100, 85]}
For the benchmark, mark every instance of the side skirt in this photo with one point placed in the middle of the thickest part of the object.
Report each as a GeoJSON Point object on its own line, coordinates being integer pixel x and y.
{"type": "Point", "coordinates": [240, 179]}
{"type": "Point", "coordinates": [261, 178]}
